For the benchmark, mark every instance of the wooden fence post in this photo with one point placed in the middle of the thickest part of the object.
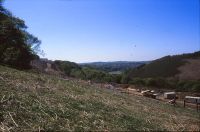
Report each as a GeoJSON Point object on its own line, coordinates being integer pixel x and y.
{"type": "Point", "coordinates": [184, 103]}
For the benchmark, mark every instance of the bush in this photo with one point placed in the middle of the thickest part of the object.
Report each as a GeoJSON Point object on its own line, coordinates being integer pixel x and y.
{"type": "Point", "coordinates": [196, 87]}
{"type": "Point", "coordinates": [150, 82]}
{"type": "Point", "coordinates": [116, 78]}
{"type": "Point", "coordinates": [185, 86]}
{"type": "Point", "coordinates": [77, 74]}
{"type": "Point", "coordinates": [171, 83]}
{"type": "Point", "coordinates": [137, 81]}
{"type": "Point", "coordinates": [69, 67]}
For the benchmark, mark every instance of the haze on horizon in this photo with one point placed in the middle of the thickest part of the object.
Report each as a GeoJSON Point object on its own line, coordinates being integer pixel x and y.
{"type": "Point", "coordinates": [111, 30]}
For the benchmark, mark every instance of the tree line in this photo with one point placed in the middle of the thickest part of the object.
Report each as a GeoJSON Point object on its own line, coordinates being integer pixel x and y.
{"type": "Point", "coordinates": [17, 46]}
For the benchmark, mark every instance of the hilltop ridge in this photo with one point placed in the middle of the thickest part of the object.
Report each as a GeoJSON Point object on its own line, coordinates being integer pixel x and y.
{"type": "Point", "coordinates": [115, 65]}
{"type": "Point", "coordinates": [169, 66]}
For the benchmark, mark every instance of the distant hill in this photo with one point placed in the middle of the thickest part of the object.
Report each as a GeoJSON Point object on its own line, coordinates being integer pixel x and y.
{"type": "Point", "coordinates": [57, 67]}
{"type": "Point", "coordinates": [115, 66]}
{"type": "Point", "coordinates": [185, 66]}
{"type": "Point", "coordinates": [71, 69]}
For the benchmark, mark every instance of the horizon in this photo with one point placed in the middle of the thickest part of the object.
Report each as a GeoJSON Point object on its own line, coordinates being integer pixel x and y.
{"type": "Point", "coordinates": [119, 60]}
{"type": "Point", "coordinates": [85, 31]}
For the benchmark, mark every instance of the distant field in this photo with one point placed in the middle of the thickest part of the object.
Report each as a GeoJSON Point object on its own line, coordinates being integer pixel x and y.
{"type": "Point", "coordinates": [115, 66]}
{"type": "Point", "coordinates": [34, 102]}
{"type": "Point", "coordinates": [116, 72]}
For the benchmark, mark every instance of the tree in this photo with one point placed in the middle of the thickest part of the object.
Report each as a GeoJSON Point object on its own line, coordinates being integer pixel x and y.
{"type": "Point", "coordinates": [17, 46]}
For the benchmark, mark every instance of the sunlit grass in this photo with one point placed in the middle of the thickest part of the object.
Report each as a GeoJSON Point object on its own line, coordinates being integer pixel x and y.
{"type": "Point", "coordinates": [32, 102]}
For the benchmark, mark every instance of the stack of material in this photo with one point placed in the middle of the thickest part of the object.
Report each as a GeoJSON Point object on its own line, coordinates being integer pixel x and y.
{"type": "Point", "coordinates": [109, 86]}
{"type": "Point", "coordinates": [144, 92]}
{"type": "Point", "coordinates": [170, 95]}
{"type": "Point", "coordinates": [148, 93]}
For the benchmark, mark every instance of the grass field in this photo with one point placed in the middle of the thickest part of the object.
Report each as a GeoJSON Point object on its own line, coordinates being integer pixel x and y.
{"type": "Point", "coordinates": [34, 102]}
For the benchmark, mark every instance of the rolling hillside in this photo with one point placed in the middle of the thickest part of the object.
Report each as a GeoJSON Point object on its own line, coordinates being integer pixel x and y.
{"type": "Point", "coordinates": [170, 66]}
{"type": "Point", "coordinates": [71, 69]}
{"type": "Point", "coordinates": [39, 102]}
{"type": "Point", "coordinates": [190, 71]}
{"type": "Point", "coordinates": [114, 66]}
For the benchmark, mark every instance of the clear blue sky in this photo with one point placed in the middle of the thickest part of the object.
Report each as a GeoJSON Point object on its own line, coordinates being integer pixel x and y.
{"type": "Point", "coordinates": [111, 30]}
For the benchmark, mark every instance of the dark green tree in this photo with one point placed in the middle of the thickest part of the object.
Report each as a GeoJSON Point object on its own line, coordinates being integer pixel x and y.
{"type": "Point", "coordinates": [17, 46]}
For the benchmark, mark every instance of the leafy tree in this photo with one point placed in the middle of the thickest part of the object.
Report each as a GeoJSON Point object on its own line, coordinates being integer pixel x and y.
{"type": "Point", "coordinates": [77, 73]}
{"type": "Point", "coordinates": [68, 67]}
{"type": "Point", "coordinates": [17, 46]}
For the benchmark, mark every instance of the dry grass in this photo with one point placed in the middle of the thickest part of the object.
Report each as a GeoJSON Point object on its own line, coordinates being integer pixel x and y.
{"type": "Point", "coordinates": [190, 71]}
{"type": "Point", "coordinates": [34, 102]}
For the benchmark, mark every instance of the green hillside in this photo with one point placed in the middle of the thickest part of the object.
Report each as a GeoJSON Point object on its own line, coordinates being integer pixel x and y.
{"type": "Point", "coordinates": [114, 66]}
{"type": "Point", "coordinates": [36, 102]}
{"type": "Point", "coordinates": [164, 67]}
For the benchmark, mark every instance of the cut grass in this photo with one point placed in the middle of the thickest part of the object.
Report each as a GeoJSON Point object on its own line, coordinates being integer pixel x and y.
{"type": "Point", "coordinates": [33, 102]}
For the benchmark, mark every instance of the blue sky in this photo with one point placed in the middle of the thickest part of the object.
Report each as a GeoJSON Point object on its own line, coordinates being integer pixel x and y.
{"type": "Point", "coordinates": [111, 30]}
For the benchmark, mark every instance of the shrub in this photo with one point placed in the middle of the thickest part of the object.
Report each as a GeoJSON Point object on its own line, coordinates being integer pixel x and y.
{"type": "Point", "coordinates": [192, 86]}
{"type": "Point", "coordinates": [196, 87]}
{"type": "Point", "coordinates": [137, 81]}
{"type": "Point", "coordinates": [77, 74]}
{"type": "Point", "coordinates": [125, 79]}
{"type": "Point", "coordinates": [150, 82]}
{"type": "Point", "coordinates": [68, 67]}
{"type": "Point", "coordinates": [116, 78]}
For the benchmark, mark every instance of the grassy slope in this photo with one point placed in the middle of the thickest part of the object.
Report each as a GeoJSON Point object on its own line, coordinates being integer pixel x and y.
{"type": "Point", "coordinates": [41, 102]}
{"type": "Point", "coordinates": [191, 70]}
{"type": "Point", "coordinates": [159, 67]}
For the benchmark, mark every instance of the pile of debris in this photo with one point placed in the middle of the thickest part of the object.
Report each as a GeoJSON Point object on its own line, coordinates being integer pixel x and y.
{"type": "Point", "coordinates": [150, 93]}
